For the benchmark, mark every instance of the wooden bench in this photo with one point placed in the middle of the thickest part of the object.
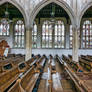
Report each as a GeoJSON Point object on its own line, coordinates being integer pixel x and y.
{"type": "Point", "coordinates": [86, 64]}
{"type": "Point", "coordinates": [8, 78]}
{"type": "Point", "coordinates": [73, 64]}
{"type": "Point", "coordinates": [11, 60]}
{"type": "Point", "coordinates": [16, 87]}
{"type": "Point", "coordinates": [30, 60]}
{"type": "Point", "coordinates": [83, 80]}
{"type": "Point", "coordinates": [89, 56]}
{"type": "Point", "coordinates": [28, 80]}
{"type": "Point", "coordinates": [70, 56]}
{"type": "Point", "coordinates": [6, 65]}
{"type": "Point", "coordinates": [23, 67]}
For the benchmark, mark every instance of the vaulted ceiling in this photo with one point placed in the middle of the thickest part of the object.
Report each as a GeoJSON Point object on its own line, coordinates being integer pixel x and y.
{"type": "Point", "coordinates": [13, 11]}
{"type": "Point", "coordinates": [88, 13]}
{"type": "Point", "coordinates": [47, 10]}
{"type": "Point", "coordinates": [44, 12]}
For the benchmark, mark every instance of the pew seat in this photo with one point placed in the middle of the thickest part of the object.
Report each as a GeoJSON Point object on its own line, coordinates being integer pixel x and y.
{"type": "Point", "coordinates": [7, 78]}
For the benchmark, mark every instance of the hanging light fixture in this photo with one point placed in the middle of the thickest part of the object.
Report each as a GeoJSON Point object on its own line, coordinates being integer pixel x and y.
{"type": "Point", "coordinates": [6, 19]}
{"type": "Point", "coordinates": [53, 14]}
{"type": "Point", "coordinates": [53, 11]}
{"type": "Point", "coordinates": [6, 12]}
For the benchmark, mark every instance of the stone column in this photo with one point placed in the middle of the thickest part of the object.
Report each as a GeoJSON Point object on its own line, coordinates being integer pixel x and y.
{"type": "Point", "coordinates": [28, 53]}
{"type": "Point", "coordinates": [75, 6]}
{"type": "Point", "coordinates": [75, 44]}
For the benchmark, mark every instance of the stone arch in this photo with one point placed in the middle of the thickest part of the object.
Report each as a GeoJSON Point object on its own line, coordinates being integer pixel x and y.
{"type": "Point", "coordinates": [84, 9]}
{"type": "Point", "coordinates": [13, 2]}
{"type": "Point", "coordinates": [43, 3]}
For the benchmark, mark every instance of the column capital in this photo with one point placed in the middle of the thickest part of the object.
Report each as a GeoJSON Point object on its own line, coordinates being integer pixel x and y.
{"type": "Point", "coordinates": [28, 27]}
{"type": "Point", "coordinates": [76, 28]}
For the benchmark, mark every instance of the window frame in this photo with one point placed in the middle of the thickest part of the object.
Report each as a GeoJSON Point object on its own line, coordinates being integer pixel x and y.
{"type": "Point", "coordinates": [53, 35]}
{"type": "Point", "coordinates": [15, 22]}
{"type": "Point", "coordinates": [1, 19]}
{"type": "Point", "coordinates": [35, 23]}
{"type": "Point", "coordinates": [64, 36]}
{"type": "Point", "coordinates": [90, 30]}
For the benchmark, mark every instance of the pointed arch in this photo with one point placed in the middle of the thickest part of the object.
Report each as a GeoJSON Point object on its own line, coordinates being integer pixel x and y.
{"type": "Point", "coordinates": [43, 3]}
{"type": "Point", "coordinates": [13, 2]}
{"type": "Point", "coordinates": [84, 9]}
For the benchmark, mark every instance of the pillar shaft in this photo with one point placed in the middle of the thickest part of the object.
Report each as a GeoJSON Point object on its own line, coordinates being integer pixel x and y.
{"type": "Point", "coordinates": [75, 44]}
{"type": "Point", "coordinates": [28, 44]}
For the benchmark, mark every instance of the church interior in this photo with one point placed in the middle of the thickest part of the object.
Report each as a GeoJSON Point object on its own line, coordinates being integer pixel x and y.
{"type": "Point", "coordinates": [45, 45]}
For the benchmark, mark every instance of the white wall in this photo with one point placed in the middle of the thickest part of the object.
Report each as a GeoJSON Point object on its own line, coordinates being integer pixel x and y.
{"type": "Point", "coordinates": [60, 51]}
{"type": "Point", "coordinates": [51, 51]}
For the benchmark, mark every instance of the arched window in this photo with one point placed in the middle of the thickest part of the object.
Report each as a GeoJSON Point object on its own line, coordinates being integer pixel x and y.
{"type": "Point", "coordinates": [19, 34]}
{"type": "Point", "coordinates": [53, 35]}
{"type": "Point", "coordinates": [34, 36]}
{"type": "Point", "coordinates": [59, 33]}
{"type": "Point", "coordinates": [47, 35]}
{"type": "Point", "coordinates": [4, 27]}
{"type": "Point", "coordinates": [87, 34]}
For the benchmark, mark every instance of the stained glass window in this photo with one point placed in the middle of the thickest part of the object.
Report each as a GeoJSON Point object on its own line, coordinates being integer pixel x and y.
{"type": "Point", "coordinates": [59, 41]}
{"type": "Point", "coordinates": [4, 27]}
{"type": "Point", "coordinates": [34, 36]}
{"type": "Point", "coordinates": [47, 35]}
{"type": "Point", "coordinates": [53, 35]}
{"type": "Point", "coordinates": [19, 34]}
{"type": "Point", "coordinates": [87, 34]}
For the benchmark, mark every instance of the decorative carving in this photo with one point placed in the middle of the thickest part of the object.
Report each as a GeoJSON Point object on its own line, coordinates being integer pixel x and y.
{"type": "Point", "coordinates": [3, 46]}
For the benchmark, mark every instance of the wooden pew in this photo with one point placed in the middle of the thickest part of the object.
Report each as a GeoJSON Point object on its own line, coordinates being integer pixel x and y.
{"type": "Point", "coordinates": [6, 65]}
{"type": "Point", "coordinates": [82, 80]}
{"type": "Point", "coordinates": [70, 56]}
{"type": "Point", "coordinates": [87, 64]}
{"type": "Point", "coordinates": [70, 62]}
{"type": "Point", "coordinates": [28, 80]}
{"type": "Point", "coordinates": [32, 76]}
{"type": "Point", "coordinates": [14, 60]}
{"type": "Point", "coordinates": [8, 78]}
{"type": "Point", "coordinates": [74, 65]}
{"type": "Point", "coordinates": [89, 56]}
{"type": "Point", "coordinates": [1, 69]}
{"type": "Point", "coordinates": [23, 67]}
{"type": "Point", "coordinates": [32, 59]}
{"type": "Point", "coordinates": [59, 60]}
